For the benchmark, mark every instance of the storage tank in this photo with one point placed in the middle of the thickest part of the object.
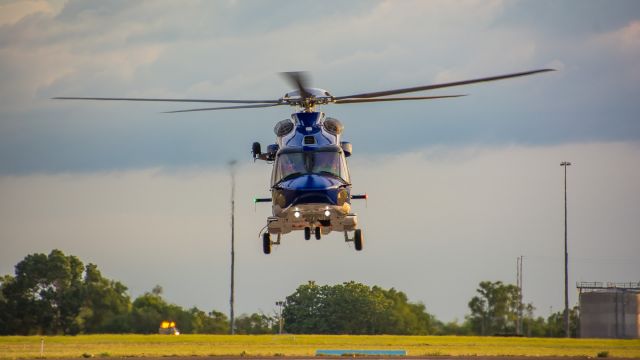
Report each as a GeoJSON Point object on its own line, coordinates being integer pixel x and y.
{"type": "Point", "coordinates": [609, 310]}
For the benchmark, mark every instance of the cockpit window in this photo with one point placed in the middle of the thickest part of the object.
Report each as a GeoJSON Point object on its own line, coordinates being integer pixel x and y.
{"type": "Point", "coordinates": [291, 164]}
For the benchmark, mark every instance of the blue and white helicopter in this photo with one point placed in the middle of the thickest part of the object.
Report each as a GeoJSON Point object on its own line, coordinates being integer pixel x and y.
{"type": "Point", "coordinates": [310, 182]}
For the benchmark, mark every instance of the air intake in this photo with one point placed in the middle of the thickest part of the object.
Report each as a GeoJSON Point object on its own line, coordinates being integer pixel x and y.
{"type": "Point", "coordinates": [333, 126]}
{"type": "Point", "coordinates": [283, 127]}
{"type": "Point", "coordinates": [309, 140]}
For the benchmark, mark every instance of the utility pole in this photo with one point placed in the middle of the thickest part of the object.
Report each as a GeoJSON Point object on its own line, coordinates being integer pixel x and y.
{"type": "Point", "coordinates": [567, 332]}
{"type": "Point", "coordinates": [519, 320]}
{"type": "Point", "coordinates": [232, 323]}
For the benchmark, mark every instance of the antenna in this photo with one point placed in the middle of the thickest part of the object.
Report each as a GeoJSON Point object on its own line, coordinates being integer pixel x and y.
{"type": "Point", "coordinates": [232, 321]}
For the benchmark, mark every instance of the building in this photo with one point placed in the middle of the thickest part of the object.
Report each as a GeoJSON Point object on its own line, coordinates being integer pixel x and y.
{"type": "Point", "coordinates": [609, 310]}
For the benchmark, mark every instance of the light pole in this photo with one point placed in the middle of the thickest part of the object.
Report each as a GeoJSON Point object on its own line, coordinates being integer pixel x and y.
{"type": "Point", "coordinates": [280, 304]}
{"type": "Point", "coordinates": [566, 256]}
{"type": "Point", "coordinates": [232, 322]}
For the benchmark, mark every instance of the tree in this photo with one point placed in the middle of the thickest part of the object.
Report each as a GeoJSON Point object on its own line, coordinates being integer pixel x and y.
{"type": "Point", "coordinates": [148, 311]}
{"type": "Point", "coordinates": [45, 295]}
{"type": "Point", "coordinates": [555, 323]}
{"type": "Point", "coordinates": [214, 322]}
{"type": "Point", "coordinates": [106, 304]}
{"type": "Point", "coordinates": [254, 324]}
{"type": "Point", "coordinates": [354, 308]}
{"type": "Point", "coordinates": [496, 309]}
{"type": "Point", "coordinates": [57, 294]}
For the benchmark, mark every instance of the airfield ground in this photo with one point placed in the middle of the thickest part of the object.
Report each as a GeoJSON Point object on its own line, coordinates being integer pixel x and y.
{"type": "Point", "coordinates": [220, 346]}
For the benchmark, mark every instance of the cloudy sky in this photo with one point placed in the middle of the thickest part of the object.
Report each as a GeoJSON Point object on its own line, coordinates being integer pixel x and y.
{"type": "Point", "coordinates": [459, 188]}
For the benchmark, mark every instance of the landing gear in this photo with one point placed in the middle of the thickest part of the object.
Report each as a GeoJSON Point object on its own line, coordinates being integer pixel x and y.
{"type": "Point", "coordinates": [357, 239]}
{"type": "Point", "coordinates": [307, 233]}
{"type": "Point", "coordinates": [255, 150]}
{"type": "Point", "coordinates": [317, 231]}
{"type": "Point", "coordinates": [266, 243]}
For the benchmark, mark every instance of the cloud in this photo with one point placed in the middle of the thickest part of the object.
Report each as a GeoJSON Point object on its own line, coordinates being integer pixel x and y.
{"type": "Point", "coordinates": [228, 49]}
{"type": "Point", "coordinates": [14, 11]}
{"type": "Point", "coordinates": [440, 219]}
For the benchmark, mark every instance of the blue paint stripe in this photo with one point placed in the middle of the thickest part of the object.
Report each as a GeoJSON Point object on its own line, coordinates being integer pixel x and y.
{"type": "Point", "coordinates": [362, 352]}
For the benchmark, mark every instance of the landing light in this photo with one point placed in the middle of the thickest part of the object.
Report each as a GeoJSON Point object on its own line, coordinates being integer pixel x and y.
{"type": "Point", "coordinates": [296, 214]}
{"type": "Point", "coordinates": [327, 213]}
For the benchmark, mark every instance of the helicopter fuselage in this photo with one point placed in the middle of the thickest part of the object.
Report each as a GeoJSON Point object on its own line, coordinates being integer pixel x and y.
{"type": "Point", "coordinates": [310, 182]}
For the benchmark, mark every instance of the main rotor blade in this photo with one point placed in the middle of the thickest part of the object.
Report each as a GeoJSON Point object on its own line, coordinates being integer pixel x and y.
{"type": "Point", "coordinates": [354, 101]}
{"type": "Point", "coordinates": [439, 86]}
{"type": "Point", "coordinates": [299, 79]}
{"type": "Point", "coordinates": [224, 108]}
{"type": "Point", "coordinates": [170, 100]}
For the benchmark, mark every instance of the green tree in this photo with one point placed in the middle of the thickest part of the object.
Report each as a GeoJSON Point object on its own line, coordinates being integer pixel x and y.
{"type": "Point", "coordinates": [45, 295]}
{"type": "Point", "coordinates": [148, 311]}
{"type": "Point", "coordinates": [353, 308]}
{"type": "Point", "coordinates": [495, 310]}
{"type": "Point", "coordinates": [555, 323]}
{"type": "Point", "coordinates": [106, 304]}
{"type": "Point", "coordinates": [254, 324]}
{"type": "Point", "coordinates": [214, 322]}
{"type": "Point", "coordinates": [57, 294]}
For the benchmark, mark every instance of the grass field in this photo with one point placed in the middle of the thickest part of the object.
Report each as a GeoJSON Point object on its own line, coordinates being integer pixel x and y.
{"type": "Point", "coordinates": [17, 347]}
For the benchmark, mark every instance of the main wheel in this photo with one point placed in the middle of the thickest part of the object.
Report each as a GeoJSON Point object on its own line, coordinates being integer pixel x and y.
{"type": "Point", "coordinates": [357, 239]}
{"type": "Point", "coordinates": [255, 150]}
{"type": "Point", "coordinates": [317, 233]}
{"type": "Point", "coordinates": [307, 233]}
{"type": "Point", "coordinates": [266, 243]}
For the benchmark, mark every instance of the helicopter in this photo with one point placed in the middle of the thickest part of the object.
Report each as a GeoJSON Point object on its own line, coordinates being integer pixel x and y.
{"type": "Point", "coordinates": [310, 181]}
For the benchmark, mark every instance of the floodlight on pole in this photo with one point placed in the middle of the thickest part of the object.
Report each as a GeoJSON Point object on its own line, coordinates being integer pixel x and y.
{"type": "Point", "coordinates": [567, 332]}
{"type": "Point", "coordinates": [280, 304]}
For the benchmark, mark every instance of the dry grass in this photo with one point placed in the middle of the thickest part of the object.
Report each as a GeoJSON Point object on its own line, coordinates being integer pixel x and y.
{"type": "Point", "coordinates": [18, 347]}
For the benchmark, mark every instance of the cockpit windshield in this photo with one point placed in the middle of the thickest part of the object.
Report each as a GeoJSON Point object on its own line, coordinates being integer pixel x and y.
{"type": "Point", "coordinates": [325, 162]}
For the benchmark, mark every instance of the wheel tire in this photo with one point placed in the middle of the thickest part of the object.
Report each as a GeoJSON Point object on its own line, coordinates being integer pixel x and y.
{"type": "Point", "coordinates": [317, 231]}
{"type": "Point", "coordinates": [357, 239]}
{"type": "Point", "coordinates": [266, 243]}
{"type": "Point", "coordinates": [255, 149]}
{"type": "Point", "coordinates": [307, 233]}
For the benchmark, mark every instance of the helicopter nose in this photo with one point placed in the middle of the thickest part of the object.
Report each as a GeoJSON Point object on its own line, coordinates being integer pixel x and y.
{"type": "Point", "coordinates": [312, 182]}
{"type": "Point", "coordinates": [311, 188]}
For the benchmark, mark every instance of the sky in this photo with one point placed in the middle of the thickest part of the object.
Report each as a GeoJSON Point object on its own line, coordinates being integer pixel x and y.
{"type": "Point", "coordinates": [459, 188]}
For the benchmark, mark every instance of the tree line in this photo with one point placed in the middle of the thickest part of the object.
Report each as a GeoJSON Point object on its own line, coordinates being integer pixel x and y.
{"type": "Point", "coordinates": [57, 294]}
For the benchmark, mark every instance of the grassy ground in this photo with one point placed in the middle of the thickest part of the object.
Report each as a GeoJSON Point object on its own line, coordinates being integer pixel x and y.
{"type": "Point", "coordinates": [14, 347]}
